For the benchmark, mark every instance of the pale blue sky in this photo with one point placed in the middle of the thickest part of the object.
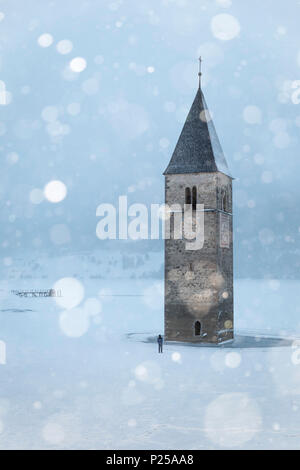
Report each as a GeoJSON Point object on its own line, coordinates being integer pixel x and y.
{"type": "Point", "coordinates": [111, 129]}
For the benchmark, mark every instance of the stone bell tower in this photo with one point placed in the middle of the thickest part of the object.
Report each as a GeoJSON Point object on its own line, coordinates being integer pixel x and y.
{"type": "Point", "coordinates": [199, 283]}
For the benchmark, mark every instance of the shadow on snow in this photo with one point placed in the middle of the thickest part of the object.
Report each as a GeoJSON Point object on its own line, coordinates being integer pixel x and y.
{"type": "Point", "coordinates": [240, 341]}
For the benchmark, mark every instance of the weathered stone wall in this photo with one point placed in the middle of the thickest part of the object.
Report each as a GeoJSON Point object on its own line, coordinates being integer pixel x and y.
{"type": "Point", "coordinates": [198, 284]}
{"type": "Point", "coordinates": [225, 268]}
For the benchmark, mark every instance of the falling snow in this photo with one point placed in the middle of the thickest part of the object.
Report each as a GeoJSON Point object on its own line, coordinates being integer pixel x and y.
{"type": "Point", "coordinates": [92, 101]}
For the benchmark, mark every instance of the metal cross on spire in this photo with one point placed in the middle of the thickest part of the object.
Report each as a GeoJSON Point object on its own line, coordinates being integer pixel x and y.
{"type": "Point", "coordinates": [200, 71]}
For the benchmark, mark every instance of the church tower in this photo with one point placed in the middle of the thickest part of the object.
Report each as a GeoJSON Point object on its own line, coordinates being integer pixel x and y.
{"type": "Point", "coordinates": [199, 282]}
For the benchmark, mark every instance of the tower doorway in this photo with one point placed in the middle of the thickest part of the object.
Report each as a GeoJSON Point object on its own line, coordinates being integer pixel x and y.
{"type": "Point", "coordinates": [197, 328]}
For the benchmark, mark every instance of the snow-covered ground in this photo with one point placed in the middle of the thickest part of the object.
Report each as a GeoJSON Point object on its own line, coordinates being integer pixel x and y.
{"type": "Point", "coordinates": [91, 377]}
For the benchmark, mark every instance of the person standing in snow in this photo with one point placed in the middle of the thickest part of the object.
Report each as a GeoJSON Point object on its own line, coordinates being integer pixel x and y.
{"type": "Point", "coordinates": [160, 344]}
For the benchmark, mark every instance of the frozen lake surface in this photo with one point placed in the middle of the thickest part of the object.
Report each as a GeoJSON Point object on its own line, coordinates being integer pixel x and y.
{"type": "Point", "coordinates": [85, 373]}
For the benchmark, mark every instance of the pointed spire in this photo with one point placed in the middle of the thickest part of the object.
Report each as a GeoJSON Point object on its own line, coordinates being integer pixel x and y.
{"type": "Point", "coordinates": [198, 149]}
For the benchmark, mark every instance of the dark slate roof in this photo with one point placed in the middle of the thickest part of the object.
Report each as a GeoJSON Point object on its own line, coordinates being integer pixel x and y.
{"type": "Point", "coordinates": [198, 149]}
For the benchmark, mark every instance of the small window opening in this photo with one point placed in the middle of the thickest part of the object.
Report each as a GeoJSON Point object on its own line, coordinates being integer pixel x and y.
{"type": "Point", "coordinates": [194, 191]}
{"type": "Point", "coordinates": [224, 202]}
{"type": "Point", "coordinates": [172, 227]}
{"type": "Point", "coordinates": [188, 197]}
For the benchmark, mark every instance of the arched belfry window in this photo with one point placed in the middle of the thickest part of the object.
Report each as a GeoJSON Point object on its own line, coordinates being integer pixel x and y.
{"type": "Point", "coordinates": [224, 205]}
{"type": "Point", "coordinates": [188, 197]}
{"type": "Point", "coordinates": [224, 201]}
{"type": "Point", "coordinates": [194, 198]}
{"type": "Point", "coordinates": [197, 328]}
{"type": "Point", "coordinates": [172, 226]}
